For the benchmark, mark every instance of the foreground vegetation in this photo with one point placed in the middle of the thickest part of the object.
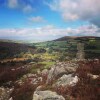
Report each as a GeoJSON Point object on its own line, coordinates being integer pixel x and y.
{"type": "Point", "coordinates": [88, 85]}
{"type": "Point", "coordinates": [87, 88]}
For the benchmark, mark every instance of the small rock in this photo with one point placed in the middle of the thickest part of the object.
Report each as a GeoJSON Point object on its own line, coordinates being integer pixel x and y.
{"type": "Point", "coordinates": [11, 98]}
{"type": "Point", "coordinates": [93, 76]}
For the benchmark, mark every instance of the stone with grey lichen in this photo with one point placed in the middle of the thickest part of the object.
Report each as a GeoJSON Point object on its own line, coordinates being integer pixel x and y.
{"type": "Point", "coordinates": [47, 95]}
{"type": "Point", "coordinates": [60, 69]}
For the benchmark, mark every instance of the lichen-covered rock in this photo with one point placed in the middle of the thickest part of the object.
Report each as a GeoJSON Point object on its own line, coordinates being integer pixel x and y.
{"type": "Point", "coordinates": [60, 69]}
{"type": "Point", "coordinates": [66, 80]}
{"type": "Point", "coordinates": [47, 95]}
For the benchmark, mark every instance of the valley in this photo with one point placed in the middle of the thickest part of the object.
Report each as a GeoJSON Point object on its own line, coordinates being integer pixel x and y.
{"type": "Point", "coordinates": [33, 70]}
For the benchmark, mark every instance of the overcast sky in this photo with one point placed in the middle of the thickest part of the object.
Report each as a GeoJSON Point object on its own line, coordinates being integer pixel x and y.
{"type": "Point", "coordinates": [48, 19]}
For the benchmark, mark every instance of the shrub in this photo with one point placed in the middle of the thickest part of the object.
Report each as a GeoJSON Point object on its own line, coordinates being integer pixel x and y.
{"type": "Point", "coordinates": [23, 92]}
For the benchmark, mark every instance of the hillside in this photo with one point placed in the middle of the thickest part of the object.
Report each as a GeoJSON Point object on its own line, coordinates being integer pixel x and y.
{"type": "Point", "coordinates": [68, 45]}
{"type": "Point", "coordinates": [10, 49]}
{"type": "Point", "coordinates": [76, 38]}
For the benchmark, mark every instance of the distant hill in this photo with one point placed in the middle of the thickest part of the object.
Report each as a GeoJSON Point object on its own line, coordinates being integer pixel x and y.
{"type": "Point", "coordinates": [76, 38]}
{"type": "Point", "coordinates": [10, 49]}
{"type": "Point", "coordinates": [91, 48]}
{"type": "Point", "coordinates": [14, 41]}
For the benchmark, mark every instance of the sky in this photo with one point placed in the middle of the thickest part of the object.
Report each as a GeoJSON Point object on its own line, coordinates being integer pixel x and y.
{"type": "Point", "coordinates": [42, 20]}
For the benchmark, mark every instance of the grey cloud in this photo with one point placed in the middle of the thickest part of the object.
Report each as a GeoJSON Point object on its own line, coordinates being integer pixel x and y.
{"type": "Point", "coordinates": [88, 10]}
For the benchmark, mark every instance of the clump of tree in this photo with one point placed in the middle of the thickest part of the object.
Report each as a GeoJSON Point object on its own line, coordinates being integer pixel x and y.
{"type": "Point", "coordinates": [40, 50]}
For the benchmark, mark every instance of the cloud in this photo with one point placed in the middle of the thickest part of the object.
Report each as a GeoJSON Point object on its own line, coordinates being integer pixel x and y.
{"type": "Point", "coordinates": [13, 3]}
{"type": "Point", "coordinates": [20, 4]}
{"type": "Point", "coordinates": [28, 9]}
{"type": "Point", "coordinates": [37, 19]}
{"type": "Point", "coordinates": [89, 30]}
{"type": "Point", "coordinates": [88, 10]}
{"type": "Point", "coordinates": [48, 32]}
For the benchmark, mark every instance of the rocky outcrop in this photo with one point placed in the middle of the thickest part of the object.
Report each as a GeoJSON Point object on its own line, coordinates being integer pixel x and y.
{"type": "Point", "coordinates": [47, 95]}
{"type": "Point", "coordinates": [60, 69]}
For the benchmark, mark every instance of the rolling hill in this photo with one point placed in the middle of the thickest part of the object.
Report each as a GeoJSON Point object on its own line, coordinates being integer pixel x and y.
{"type": "Point", "coordinates": [71, 38]}
{"type": "Point", "coordinates": [91, 44]}
{"type": "Point", "coordinates": [69, 44]}
{"type": "Point", "coordinates": [10, 49]}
